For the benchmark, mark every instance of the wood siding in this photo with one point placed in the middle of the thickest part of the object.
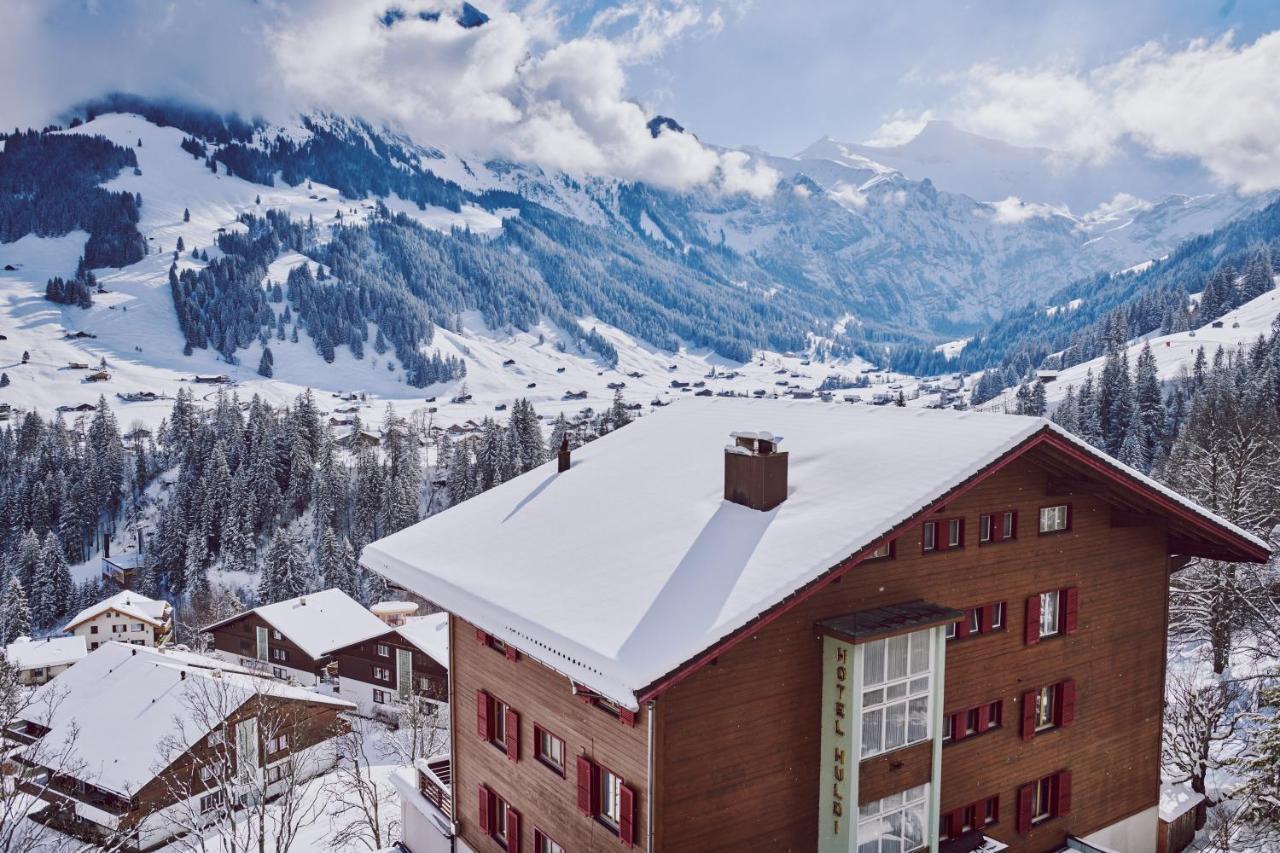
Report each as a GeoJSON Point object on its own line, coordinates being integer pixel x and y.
{"type": "Point", "coordinates": [544, 798]}
{"type": "Point", "coordinates": [738, 760]}
{"type": "Point", "coordinates": [356, 662]}
{"type": "Point", "coordinates": [232, 637]}
{"type": "Point", "coordinates": [882, 775]}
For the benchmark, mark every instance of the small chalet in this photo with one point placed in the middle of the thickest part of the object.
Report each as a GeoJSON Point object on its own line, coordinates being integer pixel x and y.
{"type": "Point", "coordinates": [295, 639]}
{"type": "Point", "coordinates": [132, 746]}
{"type": "Point", "coordinates": [127, 617]}
{"type": "Point", "coordinates": [868, 629]}
{"type": "Point", "coordinates": [400, 664]}
{"type": "Point", "coordinates": [38, 661]}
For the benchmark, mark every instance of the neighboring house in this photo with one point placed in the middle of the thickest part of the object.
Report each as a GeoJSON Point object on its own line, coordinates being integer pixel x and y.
{"type": "Point", "coordinates": [161, 739]}
{"type": "Point", "coordinates": [410, 660]}
{"type": "Point", "coordinates": [38, 661]}
{"type": "Point", "coordinates": [426, 806]}
{"type": "Point", "coordinates": [934, 631]}
{"type": "Point", "coordinates": [126, 617]}
{"type": "Point", "coordinates": [295, 639]}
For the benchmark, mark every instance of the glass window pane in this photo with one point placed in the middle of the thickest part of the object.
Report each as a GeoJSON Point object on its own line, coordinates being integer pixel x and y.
{"type": "Point", "coordinates": [918, 720]}
{"type": "Point", "coordinates": [896, 691]}
{"type": "Point", "coordinates": [919, 652]}
{"type": "Point", "coordinates": [896, 655]}
{"type": "Point", "coordinates": [913, 827]}
{"type": "Point", "coordinates": [872, 846]}
{"type": "Point", "coordinates": [873, 697]}
{"type": "Point", "coordinates": [895, 730]}
{"type": "Point", "coordinates": [873, 662]}
{"type": "Point", "coordinates": [872, 724]}
{"type": "Point", "coordinates": [919, 685]}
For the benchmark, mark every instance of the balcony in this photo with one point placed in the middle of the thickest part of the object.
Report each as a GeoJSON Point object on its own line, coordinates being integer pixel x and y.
{"type": "Point", "coordinates": [435, 780]}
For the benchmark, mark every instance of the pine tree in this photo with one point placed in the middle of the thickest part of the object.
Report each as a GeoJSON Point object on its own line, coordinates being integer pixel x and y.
{"type": "Point", "coordinates": [618, 414]}
{"type": "Point", "coordinates": [15, 621]}
{"type": "Point", "coordinates": [27, 565]}
{"type": "Point", "coordinates": [1148, 404]}
{"type": "Point", "coordinates": [267, 364]}
{"type": "Point", "coordinates": [53, 589]}
{"type": "Point", "coordinates": [186, 215]}
{"type": "Point", "coordinates": [4, 380]}
{"type": "Point", "coordinates": [1259, 278]}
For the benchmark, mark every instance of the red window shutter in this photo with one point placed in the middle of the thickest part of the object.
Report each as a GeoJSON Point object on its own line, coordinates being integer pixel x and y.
{"type": "Point", "coordinates": [484, 809]}
{"type": "Point", "coordinates": [482, 714]}
{"type": "Point", "coordinates": [955, 823]}
{"type": "Point", "coordinates": [627, 819]}
{"type": "Point", "coordinates": [1015, 524]}
{"type": "Point", "coordinates": [957, 726]}
{"type": "Point", "coordinates": [1062, 794]}
{"type": "Point", "coordinates": [513, 735]}
{"type": "Point", "coordinates": [985, 614]}
{"type": "Point", "coordinates": [1070, 610]}
{"type": "Point", "coordinates": [481, 637]}
{"type": "Point", "coordinates": [585, 802]}
{"type": "Point", "coordinates": [1068, 516]}
{"type": "Point", "coordinates": [982, 718]}
{"type": "Point", "coordinates": [961, 545]}
{"type": "Point", "coordinates": [511, 652]}
{"type": "Point", "coordinates": [1033, 620]}
{"type": "Point", "coordinates": [962, 627]}
{"type": "Point", "coordinates": [513, 830]}
{"type": "Point", "coordinates": [1025, 793]}
{"type": "Point", "coordinates": [627, 716]}
{"type": "Point", "coordinates": [1029, 715]}
{"type": "Point", "coordinates": [1066, 702]}
{"type": "Point", "coordinates": [537, 839]}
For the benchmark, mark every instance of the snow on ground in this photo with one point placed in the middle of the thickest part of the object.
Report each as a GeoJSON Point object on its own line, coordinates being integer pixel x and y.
{"type": "Point", "coordinates": [1173, 352]}
{"type": "Point", "coordinates": [952, 348]}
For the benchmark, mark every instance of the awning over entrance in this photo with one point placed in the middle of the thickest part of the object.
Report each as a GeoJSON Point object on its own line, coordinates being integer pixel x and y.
{"type": "Point", "coordinates": [879, 622]}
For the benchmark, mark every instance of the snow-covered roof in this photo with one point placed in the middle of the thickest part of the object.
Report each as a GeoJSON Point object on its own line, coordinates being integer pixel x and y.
{"type": "Point", "coordinates": [131, 604]}
{"type": "Point", "coordinates": [120, 704]}
{"type": "Point", "coordinates": [1176, 800]}
{"type": "Point", "coordinates": [631, 563]}
{"type": "Point", "coordinates": [26, 653]}
{"type": "Point", "coordinates": [319, 622]}
{"type": "Point", "coordinates": [431, 634]}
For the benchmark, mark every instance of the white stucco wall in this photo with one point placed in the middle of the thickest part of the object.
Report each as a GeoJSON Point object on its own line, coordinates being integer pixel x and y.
{"type": "Point", "coordinates": [1134, 834]}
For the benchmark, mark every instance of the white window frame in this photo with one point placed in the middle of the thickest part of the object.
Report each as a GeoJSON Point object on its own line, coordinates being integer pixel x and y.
{"type": "Point", "coordinates": [1046, 700]}
{"type": "Point", "coordinates": [1042, 800]}
{"type": "Point", "coordinates": [383, 650]}
{"type": "Point", "coordinates": [997, 615]}
{"type": "Point", "coordinates": [546, 845]}
{"type": "Point", "coordinates": [1050, 613]}
{"type": "Point", "coordinates": [929, 536]}
{"type": "Point", "coordinates": [609, 809]}
{"type": "Point", "coordinates": [211, 801]}
{"type": "Point", "coordinates": [886, 695]}
{"type": "Point", "coordinates": [1008, 529]}
{"type": "Point", "coordinates": [498, 723]}
{"type": "Point", "coordinates": [878, 819]}
{"type": "Point", "coordinates": [986, 525]}
{"type": "Point", "coordinates": [550, 749]}
{"type": "Point", "coordinates": [1054, 519]}
{"type": "Point", "coordinates": [955, 532]}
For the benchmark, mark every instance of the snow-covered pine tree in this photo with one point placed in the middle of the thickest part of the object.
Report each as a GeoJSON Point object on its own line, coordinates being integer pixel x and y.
{"type": "Point", "coordinates": [27, 564]}
{"type": "Point", "coordinates": [1148, 404]}
{"type": "Point", "coordinates": [53, 589]}
{"type": "Point", "coordinates": [15, 620]}
{"type": "Point", "coordinates": [1258, 278]}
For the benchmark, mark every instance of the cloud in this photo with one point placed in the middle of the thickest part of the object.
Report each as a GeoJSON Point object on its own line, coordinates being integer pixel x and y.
{"type": "Point", "coordinates": [516, 87]}
{"type": "Point", "coordinates": [900, 128]}
{"type": "Point", "coordinates": [1014, 211]}
{"type": "Point", "coordinates": [1213, 100]}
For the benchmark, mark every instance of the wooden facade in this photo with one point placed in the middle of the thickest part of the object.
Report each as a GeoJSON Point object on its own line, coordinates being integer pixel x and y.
{"type": "Point", "coordinates": [238, 638]}
{"type": "Point", "coordinates": [735, 747]}
{"type": "Point", "coordinates": [358, 661]}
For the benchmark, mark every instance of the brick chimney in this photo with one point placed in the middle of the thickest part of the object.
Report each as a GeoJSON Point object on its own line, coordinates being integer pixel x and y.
{"type": "Point", "coordinates": [755, 471]}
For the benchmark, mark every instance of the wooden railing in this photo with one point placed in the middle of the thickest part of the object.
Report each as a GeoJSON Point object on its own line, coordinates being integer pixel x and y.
{"type": "Point", "coordinates": [435, 777]}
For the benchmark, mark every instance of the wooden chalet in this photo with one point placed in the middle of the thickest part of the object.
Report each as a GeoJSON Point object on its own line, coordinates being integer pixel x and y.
{"type": "Point", "coordinates": [896, 629]}
{"type": "Point", "coordinates": [407, 662]}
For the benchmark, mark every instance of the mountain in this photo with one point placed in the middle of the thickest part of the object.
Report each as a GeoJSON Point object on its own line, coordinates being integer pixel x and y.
{"type": "Point", "coordinates": [989, 169]}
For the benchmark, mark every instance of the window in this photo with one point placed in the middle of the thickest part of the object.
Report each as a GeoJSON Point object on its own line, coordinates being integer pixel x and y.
{"type": "Point", "coordinates": [929, 540]}
{"type": "Point", "coordinates": [382, 673]}
{"type": "Point", "coordinates": [276, 772]}
{"type": "Point", "coordinates": [384, 651]}
{"type": "Point", "coordinates": [971, 721]}
{"type": "Point", "coordinates": [379, 697]}
{"type": "Point", "coordinates": [278, 672]}
{"type": "Point", "coordinates": [884, 552]}
{"type": "Point", "coordinates": [983, 619]}
{"type": "Point", "coordinates": [542, 843]}
{"type": "Point", "coordinates": [498, 820]}
{"type": "Point", "coordinates": [93, 629]}
{"type": "Point", "coordinates": [955, 533]}
{"type": "Point", "coordinates": [967, 818]}
{"type": "Point", "coordinates": [948, 728]}
{"type": "Point", "coordinates": [975, 620]}
{"type": "Point", "coordinates": [138, 626]}
{"type": "Point", "coordinates": [995, 714]}
{"type": "Point", "coordinates": [1044, 799]}
{"type": "Point", "coordinates": [216, 737]}
{"type": "Point", "coordinates": [609, 808]}
{"type": "Point", "coordinates": [548, 749]}
{"type": "Point", "coordinates": [997, 615]}
{"type": "Point", "coordinates": [894, 824]}
{"type": "Point", "coordinates": [207, 772]}
{"type": "Point", "coordinates": [498, 724]}
{"type": "Point", "coordinates": [277, 744]}
{"type": "Point", "coordinates": [895, 692]}
{"type": "Point", "coordinates": [943, 535]}
{"type": "Point", "coordinates": [991, 811]}
{"type": "Point", "coordinates": [279, 654]}
{"type": "Point", "coordinates": [210, 801]}
{"type": "Point", "coordinates": [950, 631]}
{"type": "Point", "coordinates": [1049, 707]}
{"type": "Point", "coordinates": [275, 635]}
{"type": "Point", "coordinates": [997, 527]}
{"type": "Point", "coordinates": [487, 639]}
{"type": "Point", "coordinates": [958, 725]}
{"type": "Point", "coordinates": [1055, 519]}
{"type": "Point", "coordinates": [1049, 613]}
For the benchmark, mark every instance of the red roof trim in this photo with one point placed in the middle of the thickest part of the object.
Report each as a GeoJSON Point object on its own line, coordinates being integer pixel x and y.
{"type": "Point", "coordinates": [1043, 436]}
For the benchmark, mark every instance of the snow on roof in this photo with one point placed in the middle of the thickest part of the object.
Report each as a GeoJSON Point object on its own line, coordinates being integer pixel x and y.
{"type": "Point", "coordinates": [131, 604]}
{"type": "Point", "coordinates": [26, 653]}
{"type": "Point", "coordinates": [431, 634]}
{"type": "Point", "coordinates": [320, 622]}
{"type": "Point", "coordinates": [631, 563]}
{"type": "Point", "coordinates": [121, 703]}
{"type": "Point", "coordinates": [1177, 800]}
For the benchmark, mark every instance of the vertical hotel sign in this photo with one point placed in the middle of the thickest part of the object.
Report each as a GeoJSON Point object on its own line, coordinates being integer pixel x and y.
{"type": "Point", "coordinates": [838, 781]}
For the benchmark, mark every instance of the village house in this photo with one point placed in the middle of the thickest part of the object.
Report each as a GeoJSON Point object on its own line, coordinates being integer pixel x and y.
{"type": "Point", "coordinates": [134, 745]}
{"type": "Point", "coordinates": [295, 639]}
{"type": "Point", "coordinates": [39, 661]}
{"type": "Point", "coordinates": [896, 630]}
{"type": "Point", "coordinates": [127, 617]}
{"type": "Point", "coordinates": [406, 662]}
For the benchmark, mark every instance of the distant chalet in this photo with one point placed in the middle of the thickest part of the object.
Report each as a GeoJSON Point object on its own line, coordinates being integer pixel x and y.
{"type": "Point", "coordinates": [862, 629]}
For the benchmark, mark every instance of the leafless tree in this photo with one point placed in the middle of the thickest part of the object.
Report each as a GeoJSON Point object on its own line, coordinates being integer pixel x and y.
{"type": "Point", "coordinates": [363, 810]}
{"type": "Point", "coordinates": [233, 768]}
{"type": "Point", "coordinates": [23, 784]}
{"type": "Point", "coordinates": [1198, 720]}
